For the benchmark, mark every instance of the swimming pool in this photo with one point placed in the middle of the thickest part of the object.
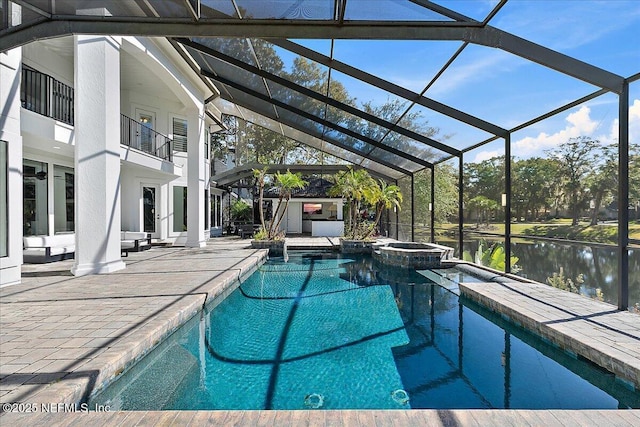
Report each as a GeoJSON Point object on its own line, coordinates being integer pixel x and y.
{"type": "Point", "coordinates": [324, 331]}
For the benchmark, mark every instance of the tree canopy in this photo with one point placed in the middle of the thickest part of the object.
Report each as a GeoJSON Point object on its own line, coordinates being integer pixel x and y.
{"type": "Point", "coordinates": [576, 179]}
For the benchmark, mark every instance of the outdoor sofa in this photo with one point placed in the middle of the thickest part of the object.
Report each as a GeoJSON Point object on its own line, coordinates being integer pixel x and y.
{"type": "Point", "coordinates": [43, 249]}
{"type": "Point", "coordinates": [134, 241]}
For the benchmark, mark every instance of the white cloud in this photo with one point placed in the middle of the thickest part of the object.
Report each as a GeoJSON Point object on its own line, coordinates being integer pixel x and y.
{"type": "Point", "coordinates": [579, 123]}
{"type": "Point", "coordinates": [634, 125]}
{"type": "Point", "coordinates": [634, 122]}
{"type": "Point", "coordinates": [485, 155]}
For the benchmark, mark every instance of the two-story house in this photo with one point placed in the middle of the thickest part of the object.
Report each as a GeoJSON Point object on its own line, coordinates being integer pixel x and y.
{"type": "Point", "coordinates": [102, 134]}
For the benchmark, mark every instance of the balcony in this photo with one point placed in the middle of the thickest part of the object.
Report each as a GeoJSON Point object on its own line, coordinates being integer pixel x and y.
{"type": "Point", "coordinates": [46, 96]}
{"type": "Point", "coordinates": [141, 137]}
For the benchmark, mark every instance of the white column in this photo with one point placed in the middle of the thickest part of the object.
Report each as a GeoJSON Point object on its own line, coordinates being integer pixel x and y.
{"type": "Point", "coordinates": [97, 155]}
{"type": "Point", "coordinates": [51, 200]}
{"type": "Point", "coordinates": [195, 178]}
{"type": "Point", "coordinates": [339, 204]}
{"type": "Point", "coordinates": [10, 74]}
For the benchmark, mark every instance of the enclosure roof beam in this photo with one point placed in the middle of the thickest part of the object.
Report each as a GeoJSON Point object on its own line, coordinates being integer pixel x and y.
{"type": "Point", "coordinates": [65, 25]}
{"type": "Point", "coordinates": [246, 171]}
{"type": "Point", "coordinates": [390, 87]}
{"type": "Point", "coordinates": [289, 130]}
{"type": "Point", "coordinates": [473, 32]}
{"type": "Point", "coordinates": [493, 37]}
{"type": "Point", "coordinates": [299, 128]}
{"type": "Point", "coordinates": [317, 96]}
{"type": "Point", "coordinates": [316, 119]}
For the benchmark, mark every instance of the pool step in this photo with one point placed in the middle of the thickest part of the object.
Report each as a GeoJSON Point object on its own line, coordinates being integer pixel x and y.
{"type": "Point", "coordinates": [444, 281]}
{"type": "Point", "coordinates": [313, 243]}
{"type": "Point", "coordinates": [155, 385]}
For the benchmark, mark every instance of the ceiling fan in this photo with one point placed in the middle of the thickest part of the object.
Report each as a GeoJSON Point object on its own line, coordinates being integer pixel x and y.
{"type": "Point", "coordinates": [37, 175]}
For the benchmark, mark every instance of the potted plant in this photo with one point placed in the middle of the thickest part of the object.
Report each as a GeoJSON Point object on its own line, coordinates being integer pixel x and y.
{"type": "Point", "coordinates": [269, 236]}
{"type": "Point", "coordinates": [240, 212]}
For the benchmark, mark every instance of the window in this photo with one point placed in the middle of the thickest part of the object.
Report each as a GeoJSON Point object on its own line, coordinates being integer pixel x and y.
{"type": "Point", "coordinates": [4, 199]}
{"type": "Point", "coordinates": [179, 134]}
{"type": "Point", "coordinates": [147, 139]}
{"type": "Point", "coordinates": [35, 198]}
{"type": "Point", "coordinates": [206, 209]}
{"type": "Point", "coordinates": [179, 209]}
{"type": "Point", "coordinates": [63, 199]}
{"type": "Point", "coordinates": [207, 138]}
{"type": "Point", "coordinates": [216, 210]}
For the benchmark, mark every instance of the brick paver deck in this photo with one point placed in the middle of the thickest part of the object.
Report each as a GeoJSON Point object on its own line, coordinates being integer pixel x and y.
{"type": "Point", "coordinates": [354, 418]}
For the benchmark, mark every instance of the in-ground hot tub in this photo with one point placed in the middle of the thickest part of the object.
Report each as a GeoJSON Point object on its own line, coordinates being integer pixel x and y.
{"type": "Point", "coordinates": [412, 255]}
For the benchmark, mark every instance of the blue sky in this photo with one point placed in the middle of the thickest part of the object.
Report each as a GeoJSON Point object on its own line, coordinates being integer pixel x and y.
{"type": "Point", "coordinates": [508, 90]}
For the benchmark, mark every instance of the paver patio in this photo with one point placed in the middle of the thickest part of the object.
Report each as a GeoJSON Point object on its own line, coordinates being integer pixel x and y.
{"type": "Point", "coordinates": [354, 418]}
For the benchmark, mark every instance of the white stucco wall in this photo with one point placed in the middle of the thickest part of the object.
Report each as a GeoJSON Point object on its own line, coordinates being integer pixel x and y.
{"type": "Point", "coordinates": [163, 109]}
{"type": "Point", "coordinates": [182, 97]}
{"type": "Point", "coordinates": [10, 132]}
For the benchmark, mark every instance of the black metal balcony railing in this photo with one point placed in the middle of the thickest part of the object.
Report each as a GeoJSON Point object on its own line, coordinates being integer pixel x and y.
{"type": "Point", "coordinates": [45, 95]}
{"type": "Point", "coordinates": [137, 135]}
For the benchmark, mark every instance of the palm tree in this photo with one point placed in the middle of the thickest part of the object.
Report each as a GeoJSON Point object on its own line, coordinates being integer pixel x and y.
{"type": "Point", "coordinates": [357, 186]}
{"type": "Point", "coordinates": [286, 183]}
{"type": "Point", "coordinates": [382, 196]}
{"type": "Point", "coordinates": [260, 175]}
{"type": "Point", "coordinates": [352, 185]}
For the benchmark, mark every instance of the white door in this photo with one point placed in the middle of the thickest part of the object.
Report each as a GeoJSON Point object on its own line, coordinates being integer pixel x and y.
{"type": "Point", "coordinates": [146, 139]}
{"type": "Point", "coordinates": [294, 218]}
{"type": "Point", "coordinates": [150, 212]}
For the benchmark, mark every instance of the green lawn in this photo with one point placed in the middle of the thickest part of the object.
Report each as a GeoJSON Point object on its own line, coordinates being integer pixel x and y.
{"type": "Point", "coordinates": [559, 228]}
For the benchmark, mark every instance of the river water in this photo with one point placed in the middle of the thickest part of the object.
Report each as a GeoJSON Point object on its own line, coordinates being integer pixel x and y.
{"type": "Point", "coordinates": [598, 264]}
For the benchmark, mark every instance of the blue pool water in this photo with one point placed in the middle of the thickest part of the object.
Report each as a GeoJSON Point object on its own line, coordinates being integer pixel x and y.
{"type": "Point", "coordinates": [336, 332]}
